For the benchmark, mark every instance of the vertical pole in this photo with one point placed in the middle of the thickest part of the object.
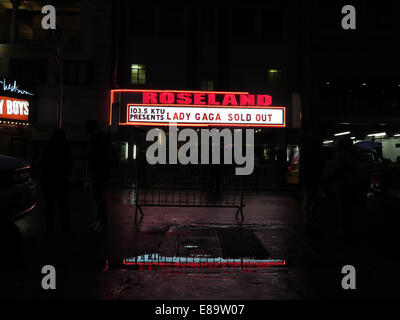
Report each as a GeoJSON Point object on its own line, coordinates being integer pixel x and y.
{"type": "Point", "coordinates": [137, 199]}
{"type": "Point", "coordinates": [60, 55]}
{"type": "Point", "coordinates": [241, 206]}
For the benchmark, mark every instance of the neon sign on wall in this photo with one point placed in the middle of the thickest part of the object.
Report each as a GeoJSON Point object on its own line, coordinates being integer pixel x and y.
{"type": "Point", "coordinates": [14, 109]}
{"type": "Point", "coordinates": [198, 108]}
{"type": "Point", "coordinates": [13, 88]}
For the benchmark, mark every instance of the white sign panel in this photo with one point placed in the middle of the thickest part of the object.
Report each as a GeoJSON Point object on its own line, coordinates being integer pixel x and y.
{"type": "Point", "coordinates": [234, 116]}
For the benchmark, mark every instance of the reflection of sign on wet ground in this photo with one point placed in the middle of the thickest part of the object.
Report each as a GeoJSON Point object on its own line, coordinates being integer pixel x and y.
{"type": "Point", "coordinates": [209, 247]}
{"type": "Point", "coordinates": [156, 260]}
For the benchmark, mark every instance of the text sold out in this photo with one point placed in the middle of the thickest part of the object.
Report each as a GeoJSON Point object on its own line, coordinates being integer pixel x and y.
{"type": "Point", "coordinates": [217, 117]}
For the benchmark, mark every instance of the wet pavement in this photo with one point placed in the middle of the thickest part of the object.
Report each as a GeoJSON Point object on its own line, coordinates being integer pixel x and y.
{"type": "Point", "coordinates": [91, 266]}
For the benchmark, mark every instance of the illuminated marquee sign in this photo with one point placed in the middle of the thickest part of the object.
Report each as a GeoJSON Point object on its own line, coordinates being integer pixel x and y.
{"type": "Point", "coordinates": [15, 102]}
{"type": "Point", "coordinates": [197, 108]}
{"type": "Point", "coordinates": [14, 109]}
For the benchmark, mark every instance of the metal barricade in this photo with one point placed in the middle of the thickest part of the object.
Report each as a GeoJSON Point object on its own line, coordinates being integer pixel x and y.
{"type": "Point", "coordinates": [80, 173]}
{"type": "Point", "coordinates": [189, 186]}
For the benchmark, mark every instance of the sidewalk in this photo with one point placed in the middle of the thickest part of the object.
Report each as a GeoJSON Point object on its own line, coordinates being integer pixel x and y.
{"type": "Point", "coordinates": [90, 266]}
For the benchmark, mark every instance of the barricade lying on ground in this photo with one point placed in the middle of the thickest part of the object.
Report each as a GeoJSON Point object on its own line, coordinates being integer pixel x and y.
{"type": "Point", "coordinates": [189, 186]}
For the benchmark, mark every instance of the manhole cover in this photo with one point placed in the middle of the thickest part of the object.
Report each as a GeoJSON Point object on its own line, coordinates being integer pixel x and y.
{"type": "Point", "coordinates": [241, 243]}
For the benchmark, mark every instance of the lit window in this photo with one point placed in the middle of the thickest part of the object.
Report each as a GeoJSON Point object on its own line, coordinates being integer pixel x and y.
{"type": "Point", "coordinates": [274, 78]}
{"type": "Point", "coordinates": [138, 74]}
{"type": "Point", "coordinates": [124, 150]}
{"type": "Point", "coordinates": [134, 152]}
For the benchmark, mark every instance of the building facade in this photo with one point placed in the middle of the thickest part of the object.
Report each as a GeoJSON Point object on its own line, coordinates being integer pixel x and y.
{"type": "Point", "coordinates": [32, 56]}
{"type": "Point", "coordinates": [198, 46]}
{"type": "Point", "coordinates": [354, 74]}
{"type": "Point", "coordinates": [329, 79]}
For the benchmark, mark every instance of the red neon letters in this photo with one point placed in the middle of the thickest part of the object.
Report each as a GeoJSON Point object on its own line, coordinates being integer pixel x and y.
{"type": "Point", "coordinates": [207, 98]}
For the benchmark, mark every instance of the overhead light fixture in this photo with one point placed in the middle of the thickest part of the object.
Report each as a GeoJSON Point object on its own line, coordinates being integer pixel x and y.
{"type": "Point", "coordinates": [397, 135]}
{"type": "Point", "coordinates": [364, 84]}
{"type": "Point", "coordinates": [352, 138]}
{"type": "Point", "coordinates": [341, 133]}
{"type": "Point", "coordinates": [328, 141]}
{"type": "Point", "coordinates": [380, 134]}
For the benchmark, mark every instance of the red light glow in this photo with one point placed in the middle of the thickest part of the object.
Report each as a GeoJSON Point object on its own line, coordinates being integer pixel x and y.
{"type": "Point", "coordinates": [156, 261]}
{"type": "Point", "coordinates": [237, 102]}
{"type": "Point", "coordinates": [14, 109]}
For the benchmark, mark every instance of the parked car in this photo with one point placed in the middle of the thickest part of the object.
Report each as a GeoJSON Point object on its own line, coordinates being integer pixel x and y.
{"type": "Point", "coordinates": [368, 163]}
{"type": "Point", "coordinates": [18, 191]}
{"type": "Point", "coordinates": [384, 185]}
{"type": "Point", "coordinates": [378, 182]}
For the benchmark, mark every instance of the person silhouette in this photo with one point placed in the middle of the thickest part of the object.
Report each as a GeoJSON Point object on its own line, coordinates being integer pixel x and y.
{"type": "Point", "coordinates": [309, 175]}
{"type": "Point", "coordinates": [101, 157]}
{"type": "Point", "coordinates": [345, 177]}
{"type": "Point", "coordinates": [55, 167]}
